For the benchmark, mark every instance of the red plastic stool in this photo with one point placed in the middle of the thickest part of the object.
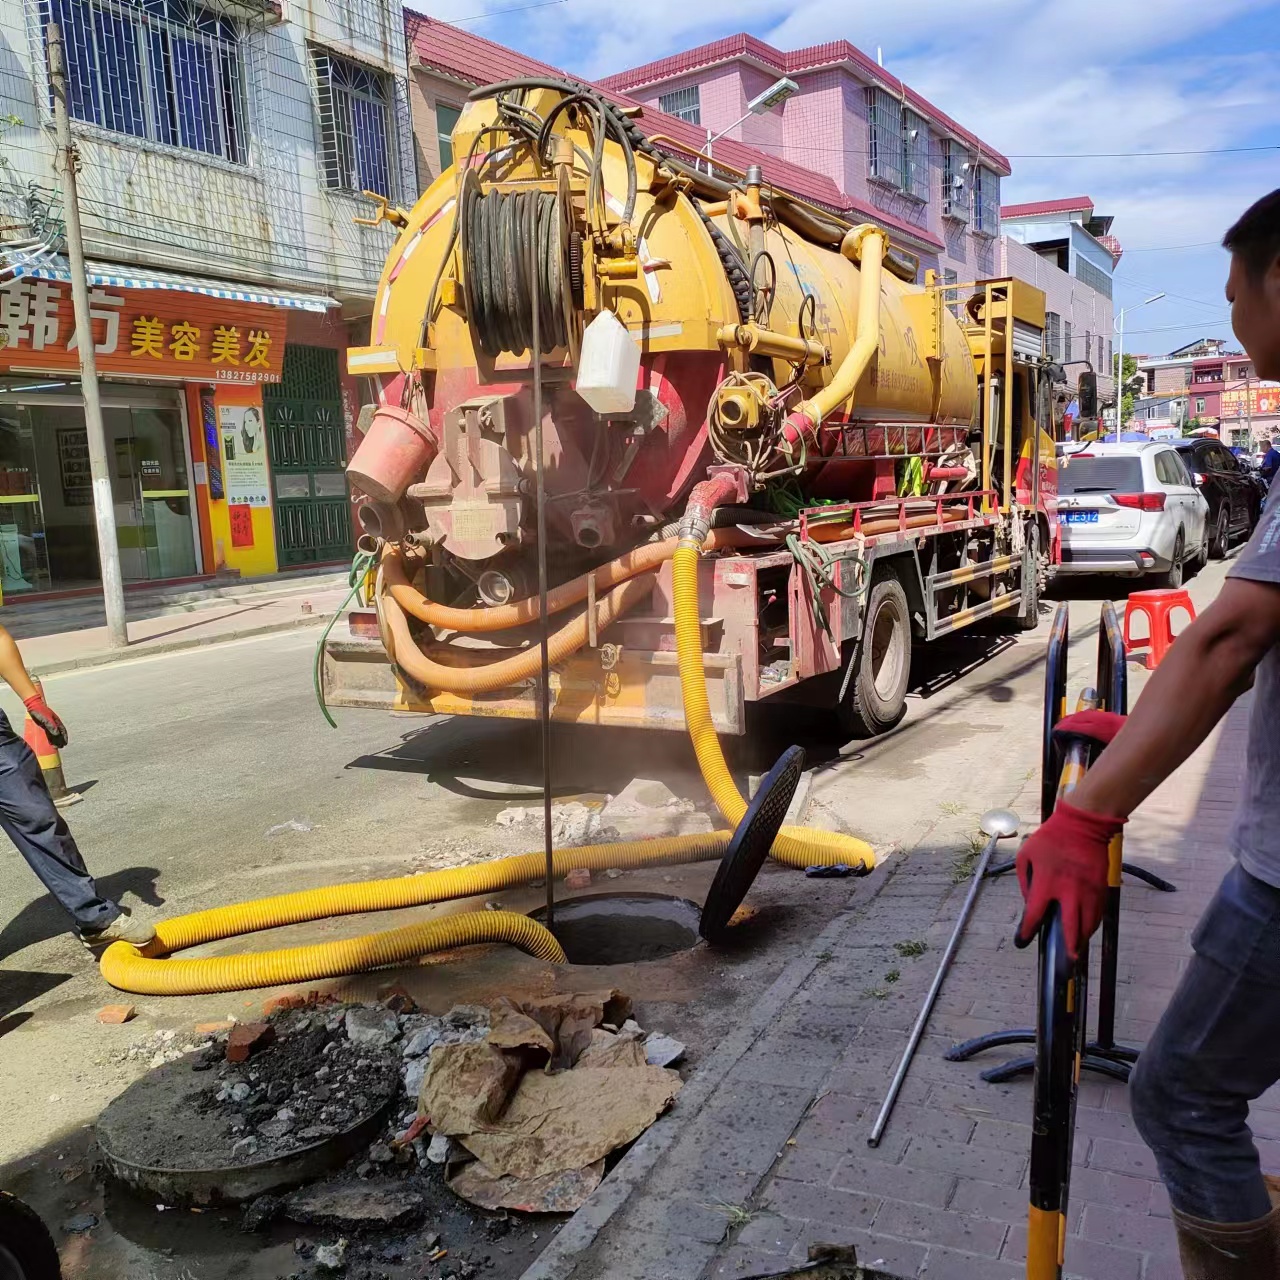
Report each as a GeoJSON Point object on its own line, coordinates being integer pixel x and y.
{"type": "Point", "coordinates": [1158, 606]}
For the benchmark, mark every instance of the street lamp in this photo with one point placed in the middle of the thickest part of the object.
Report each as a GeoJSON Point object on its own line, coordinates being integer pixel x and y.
{"type": "Point", "coordinates": [1120, 352]}
{"type": "Point", "coordinates": [774, 96]}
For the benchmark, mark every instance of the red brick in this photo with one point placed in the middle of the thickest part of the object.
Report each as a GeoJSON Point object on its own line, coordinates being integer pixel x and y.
{"type": "Point", "coordinates": [398, 1000]}
{"type": "Point", "coordinates": [290, 1000]}
{"type": "Point", "coordinates": [112, 1015]}
{"type": "Point", "coordinates": [247, 1039]}
{"type": "Point", "coordinates": [578, 878]}
{"type": "Point", "coordinates": [213, 1028]}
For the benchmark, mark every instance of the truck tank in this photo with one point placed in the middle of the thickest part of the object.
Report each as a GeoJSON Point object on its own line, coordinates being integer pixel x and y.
{"type": "Point", "coordinates": [746, 305]}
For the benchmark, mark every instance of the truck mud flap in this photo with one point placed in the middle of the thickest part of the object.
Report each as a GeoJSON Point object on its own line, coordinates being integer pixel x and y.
{"type": "Point", "coordinates": [640, 690]}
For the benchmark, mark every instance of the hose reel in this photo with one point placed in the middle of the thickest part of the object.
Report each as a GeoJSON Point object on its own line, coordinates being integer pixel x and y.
{"type": "Point", "coordinates": [505, 234]}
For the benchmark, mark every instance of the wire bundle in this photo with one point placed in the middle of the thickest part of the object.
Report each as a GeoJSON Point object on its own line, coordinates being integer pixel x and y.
{"type": "Point", "coordinates": [507, 235]}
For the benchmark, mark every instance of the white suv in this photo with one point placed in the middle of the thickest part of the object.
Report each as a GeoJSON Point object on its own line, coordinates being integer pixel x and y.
{"type": "Point", "coordinates": [1130, 509]}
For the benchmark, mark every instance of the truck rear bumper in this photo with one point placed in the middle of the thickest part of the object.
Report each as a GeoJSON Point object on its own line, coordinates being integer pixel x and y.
{"type": "Point", "coordinates": [641, 690]}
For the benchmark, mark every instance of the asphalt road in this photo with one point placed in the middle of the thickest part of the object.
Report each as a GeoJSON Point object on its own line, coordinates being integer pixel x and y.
{"type": "Point", "coordinates": [210, 777]}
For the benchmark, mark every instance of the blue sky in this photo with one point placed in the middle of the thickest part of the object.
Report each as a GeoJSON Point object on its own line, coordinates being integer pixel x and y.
{"type": "Point", "coordinates": [1033, 78]}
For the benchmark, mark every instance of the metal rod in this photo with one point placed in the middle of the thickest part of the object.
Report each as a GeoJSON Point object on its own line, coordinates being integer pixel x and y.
{"type": "Point", "coordinates": [535, 355]}
{"type": "Point", "coordinates": [917, 1031]}
{"type": "Point", "coordinates": [68, 160]}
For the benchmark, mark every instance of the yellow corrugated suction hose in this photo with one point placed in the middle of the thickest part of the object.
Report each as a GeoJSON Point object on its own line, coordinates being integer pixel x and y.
{"type": "Point", "coordinates": [124, 966]}
{"type": "Point", "coordinates": [145, 973]}
{"type": "Point", "coordinates": [795, 846]}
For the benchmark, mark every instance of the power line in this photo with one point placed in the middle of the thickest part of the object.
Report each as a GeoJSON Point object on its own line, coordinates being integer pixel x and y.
{"type": "Point", "coordinates": [1036, 155]}
{"type": "Point", "coordinates": [494, 13]}
{"type": "Point", "coordinates": [1164, 248]}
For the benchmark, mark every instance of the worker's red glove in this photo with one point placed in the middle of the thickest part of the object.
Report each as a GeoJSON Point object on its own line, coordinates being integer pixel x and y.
{"type": "Point", "coordinates": [1066, 862]}
{"type": "Point", "coordinates": [1096, 726]}
{"type": "Point", "coordinates": [44, 715]}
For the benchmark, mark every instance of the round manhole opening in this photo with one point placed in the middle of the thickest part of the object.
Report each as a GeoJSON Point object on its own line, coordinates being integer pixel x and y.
{"type": "Point", "coordinates": [624, 928]}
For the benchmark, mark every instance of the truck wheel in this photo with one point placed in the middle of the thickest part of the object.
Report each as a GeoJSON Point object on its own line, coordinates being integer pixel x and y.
{"type": "Point", "coordinates": [876, 698]}
{"type": "Point", "coordinates": [26, 1249]}
{"type": "Point", "coordinates": [1027, 617]}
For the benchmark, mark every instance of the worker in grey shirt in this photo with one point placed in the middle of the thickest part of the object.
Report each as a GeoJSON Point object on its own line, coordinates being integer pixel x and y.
{"type": "Point", "coordinates": [1217, 1047]}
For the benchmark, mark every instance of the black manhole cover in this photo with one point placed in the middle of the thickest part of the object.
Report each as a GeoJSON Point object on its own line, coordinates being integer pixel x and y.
{"type": "Point", "coordinates": [750, 845]}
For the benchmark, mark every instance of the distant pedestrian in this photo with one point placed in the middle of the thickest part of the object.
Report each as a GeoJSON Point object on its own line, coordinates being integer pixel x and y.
{"type": "Point", "coordinates": [31, 820]}
{"type": "Point", "coordinates": [1271, 462]}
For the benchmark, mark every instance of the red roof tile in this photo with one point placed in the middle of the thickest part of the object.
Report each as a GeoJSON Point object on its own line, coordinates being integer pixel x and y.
{"type": "Point", "coordinates": [462, 55]}
{"type": "Point", "coordinates": [1068, 204]}
{"type": "Point", "coordinates": [796, 62]}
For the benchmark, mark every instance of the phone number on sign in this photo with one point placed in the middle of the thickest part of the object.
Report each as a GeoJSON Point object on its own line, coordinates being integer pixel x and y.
{"type": "Point", "coordinates": [247, 375]}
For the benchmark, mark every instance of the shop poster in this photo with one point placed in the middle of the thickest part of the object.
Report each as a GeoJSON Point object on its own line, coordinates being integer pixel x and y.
{"type": "Point", "coordinates": [244, 455]}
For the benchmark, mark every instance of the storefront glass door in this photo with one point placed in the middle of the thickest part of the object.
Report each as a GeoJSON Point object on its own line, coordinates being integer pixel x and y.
{"type": "Point", "coordinates": [48, 539]}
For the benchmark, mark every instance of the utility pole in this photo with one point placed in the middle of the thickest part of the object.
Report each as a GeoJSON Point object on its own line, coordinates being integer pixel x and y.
{"type": "Point", "coordinates": [68, 160]}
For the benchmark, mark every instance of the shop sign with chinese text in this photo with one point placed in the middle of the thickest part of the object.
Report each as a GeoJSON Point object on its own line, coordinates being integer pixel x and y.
{"type": "Point", "coordinates": [146, 333]}
{"type": "Point", "coordinates": [1265, 397]}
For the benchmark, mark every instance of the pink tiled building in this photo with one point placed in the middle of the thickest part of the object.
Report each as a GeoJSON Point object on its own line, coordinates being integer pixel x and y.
{"type": "Point", "coordinates": [889, 152]}
{"type": "Point", "coordinates": [851, 138]}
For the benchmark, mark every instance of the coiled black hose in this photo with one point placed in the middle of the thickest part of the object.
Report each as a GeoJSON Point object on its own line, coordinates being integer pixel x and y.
{"type": "Point", "coordinates": [500, 228]}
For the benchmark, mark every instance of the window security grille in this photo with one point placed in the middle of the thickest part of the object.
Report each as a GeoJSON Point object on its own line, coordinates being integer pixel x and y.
{"type": "Point", "coordinates": [1066, 340]}
{"type": "Point", "coordinates": [955, 186]}
{"type": "Point", "coordinates": [986, 200]}
{"type": "Point", "coordinates": [887, 159]}
{"type": "Point", "coordinates": [166, 70]}
{"type": "Point", "coordinates": [915, 151]}
{"type": "Point", "coordinates": [355, 124]}
{"type": "Point", "coordinates": [684, 103]}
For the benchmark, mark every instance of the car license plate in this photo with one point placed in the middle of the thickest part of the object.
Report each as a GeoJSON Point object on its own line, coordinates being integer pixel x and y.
{"type": "Point", "coordinates": [1078, 517]}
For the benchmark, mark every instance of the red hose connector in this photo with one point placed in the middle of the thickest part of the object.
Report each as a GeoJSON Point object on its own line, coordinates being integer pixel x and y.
{"type": "Point", "coordinates": [707, 495]}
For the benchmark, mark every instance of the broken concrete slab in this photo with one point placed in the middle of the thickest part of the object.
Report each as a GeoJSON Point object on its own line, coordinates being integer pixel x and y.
{"type": "Point", "coordinates": [348, 1206]}
{"type": "Point", "coordinates": [368, 1024]}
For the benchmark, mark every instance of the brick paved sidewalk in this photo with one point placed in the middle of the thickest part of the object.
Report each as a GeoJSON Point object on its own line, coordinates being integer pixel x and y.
{"type": "Point", "coordinates": [945, 1194]}
{"type": "Point", "coordinates": [772, 1155]}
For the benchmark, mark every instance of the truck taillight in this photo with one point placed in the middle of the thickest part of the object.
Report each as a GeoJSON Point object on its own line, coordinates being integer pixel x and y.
{"type": "Point", "coordinates": [1140, 501]}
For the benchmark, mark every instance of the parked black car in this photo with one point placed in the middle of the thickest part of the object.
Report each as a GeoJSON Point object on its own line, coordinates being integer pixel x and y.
{"type": "Point", "coordinates": [1232, 494]}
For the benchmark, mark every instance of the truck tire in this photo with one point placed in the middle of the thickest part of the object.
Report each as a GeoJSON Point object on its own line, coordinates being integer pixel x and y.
{"type": "Point", "coordinates": [1027, 617]}
{"type": "Point", "coordinates": [27, 1251]}
{"type": "Point", "coordinates": [876, 697]}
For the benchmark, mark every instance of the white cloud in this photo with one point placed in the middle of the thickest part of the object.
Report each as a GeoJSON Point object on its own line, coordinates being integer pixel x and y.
{"type": "Point", "coordinates": [1032, 78]}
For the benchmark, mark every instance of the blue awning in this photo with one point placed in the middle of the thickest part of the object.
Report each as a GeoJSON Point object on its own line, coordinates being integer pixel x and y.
{"type": "Point", "coordinates": [112, 275]}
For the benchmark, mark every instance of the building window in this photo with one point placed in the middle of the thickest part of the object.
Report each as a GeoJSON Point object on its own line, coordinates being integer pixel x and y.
{"type": "Point", "coordinates": [951, 298]}
{"type": "Point", "coordinates": [165, 70]}
{"type": "Point", "coordinates": [1053, 335]}
{"type": "Point", "coordinates": [955, 195]}
{"type": "Point", "coordinates": [1111, 358]}
{"type": "Point", "coordinates": [1066, 340]}
{"type": "Point", "coordinates": [1101, 357]}
{"type": "Point", "coordinates": [446, 123]}
{"type": "Point", "coordinates": [1092, 276]}
{"type": "Point", "coordinates": [684, 103]}
{"type": "Point", "coordinates": [888, 156]}
{"type": "Point", "coordinates": [915, 155]}
{"type": "Point", "coordinates": [1199, 404]}
{"type": "Point", "coordinates": [986, 200]}
{"type": "Point", "coordinates": [355, 124]}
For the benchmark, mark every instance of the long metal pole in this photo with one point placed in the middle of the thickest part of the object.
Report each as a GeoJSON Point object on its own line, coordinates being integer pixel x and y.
{"type": "Point", "coordinates": [1119, 370]}
{"type": "Point", "coordinates": [545, 683]}
{"type": "Point", "coordinates": [103, 504]}
{"type": "Point", "coordinates": [917, 1031]}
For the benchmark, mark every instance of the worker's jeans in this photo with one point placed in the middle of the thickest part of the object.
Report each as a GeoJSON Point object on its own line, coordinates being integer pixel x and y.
{"type": "Point", "coordinates": [1217, 1048]}
{"type": "Point", "coordinates": [31, 820]}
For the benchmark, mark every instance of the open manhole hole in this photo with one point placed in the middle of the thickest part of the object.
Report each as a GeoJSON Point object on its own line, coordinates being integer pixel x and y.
{"type": "Point", "coordinates": [623, 928]}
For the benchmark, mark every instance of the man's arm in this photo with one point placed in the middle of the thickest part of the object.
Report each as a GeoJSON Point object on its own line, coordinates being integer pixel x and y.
{"type": "Point", "coordinates": [13, 670]}
{"type": "Point", "coordinates": [1065, 863]}
{"type": "Point", "coordinates": [1193, 688]}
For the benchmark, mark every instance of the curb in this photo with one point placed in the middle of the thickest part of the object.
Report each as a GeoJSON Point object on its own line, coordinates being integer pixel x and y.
{"type": "Point", "coordinates": [562, 1255]}
{"type": "Point", "coordinates": [109, 657]}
